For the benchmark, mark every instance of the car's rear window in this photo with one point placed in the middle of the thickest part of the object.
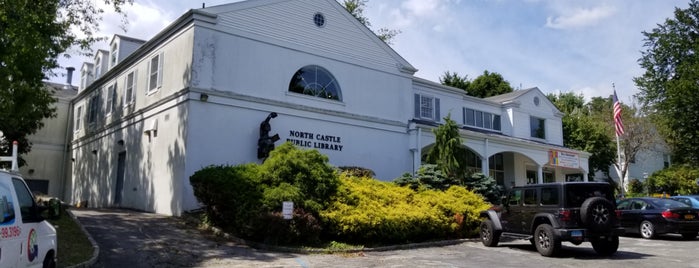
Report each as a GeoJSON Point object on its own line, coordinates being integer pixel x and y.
{"type": "Point", "coordinates": [666, 203]}
{"type": "Point", "coordinates": [576, 194]}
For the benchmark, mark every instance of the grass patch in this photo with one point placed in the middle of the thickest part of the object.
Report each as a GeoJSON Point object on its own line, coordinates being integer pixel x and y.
{"type": "Point", "coordinates": [73, 245]}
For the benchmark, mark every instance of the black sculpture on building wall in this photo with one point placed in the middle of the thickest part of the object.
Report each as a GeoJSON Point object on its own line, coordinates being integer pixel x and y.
{"type": "Point", "coordinates": [265, 143]}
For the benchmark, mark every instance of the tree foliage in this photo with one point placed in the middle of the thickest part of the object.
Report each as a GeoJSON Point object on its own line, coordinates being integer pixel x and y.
{"type": "Point", "coordinates": [676, 180]}
{"type": "Point", "coordinates": [448, 151]}
{"type": "Point", "coordinates": [33, 34]}
{"type": "Point", "coordinates": [356, 8]}
{"type": "Point", "coordinates": [486, 85]}
{"type": "Point", "coordinates": [668, 88]}
{"type": "Point", "coordinates": [583, 131]}
{"type": "Point", "coordinates": [489, 84]}
{"type": "Point", "coordinates": [455, 80]}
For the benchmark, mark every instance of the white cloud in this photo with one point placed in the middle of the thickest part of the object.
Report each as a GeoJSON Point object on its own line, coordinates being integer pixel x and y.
{"type": "Point", "coordinates": [580, 17]}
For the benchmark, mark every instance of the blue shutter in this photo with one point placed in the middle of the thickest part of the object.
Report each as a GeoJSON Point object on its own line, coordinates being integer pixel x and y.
{"type": "Point", "coordinates": [463, 115]}
{"type": "Point", "coordinates": [417, 106]}
{"type": "Point", "coordinates": [437, 117]}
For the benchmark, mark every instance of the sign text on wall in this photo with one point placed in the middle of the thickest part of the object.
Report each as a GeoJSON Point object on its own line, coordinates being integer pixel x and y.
{"type": "Point", "coordinates": [315, 140]}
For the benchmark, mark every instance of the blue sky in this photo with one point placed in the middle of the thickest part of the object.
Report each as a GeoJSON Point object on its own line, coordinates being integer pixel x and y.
{"type": "Point", "coordinates": [555, 45]}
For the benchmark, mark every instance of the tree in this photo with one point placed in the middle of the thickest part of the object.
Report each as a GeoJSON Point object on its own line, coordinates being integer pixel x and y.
{"type": "Point", "coordinates": [33, 35]}
{"type": "Point", "coordinates": [356, 8]}
{"type": "Point", "coordinates": [582, 131]}
{"type": "Point", "coordinates": [448, 151]}
{"type": "Point", "coordinates": [669, 92]}
{"type": "Point", "coordinates": [455, 80]}
{"type": "Point", "coordinates": [488, 84]}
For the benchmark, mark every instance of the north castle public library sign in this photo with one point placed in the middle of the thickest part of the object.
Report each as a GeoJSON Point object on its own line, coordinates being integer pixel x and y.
{"type": "Point", "coordinates": [315, 140]}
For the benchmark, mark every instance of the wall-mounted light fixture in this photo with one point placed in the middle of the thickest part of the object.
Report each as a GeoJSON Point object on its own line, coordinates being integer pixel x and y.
{"type": "Point", "coordinates": [30, 171]}
{"type": "Point", "coordinates": [204, 97]}
{"type": "Point", "coordinates": [94, 151]}
{"type": "Point", "coordinates": [120, 142]}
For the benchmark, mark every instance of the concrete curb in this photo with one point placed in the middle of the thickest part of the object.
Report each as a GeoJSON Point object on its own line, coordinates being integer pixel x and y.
{"type": "Point", "coordinates": [95, 247]}
{"type": "Point", "coordinates": [441, 243]}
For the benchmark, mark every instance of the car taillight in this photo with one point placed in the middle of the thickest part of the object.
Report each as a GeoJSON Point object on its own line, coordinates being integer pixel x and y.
{"type": "Point", "coordinates": [564, 215]}
{"type": "Point", "coordinates": [618, 214]}
{"type": "Point", "coordinates": [670, 215]}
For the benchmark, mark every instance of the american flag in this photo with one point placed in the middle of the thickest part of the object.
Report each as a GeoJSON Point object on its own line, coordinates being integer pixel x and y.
{"type": "Point", "coordinates": [618, 124]}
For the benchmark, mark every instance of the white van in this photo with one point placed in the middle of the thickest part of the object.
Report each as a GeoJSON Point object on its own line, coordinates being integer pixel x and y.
{"type": "Point", "coordinates": [26, 238]}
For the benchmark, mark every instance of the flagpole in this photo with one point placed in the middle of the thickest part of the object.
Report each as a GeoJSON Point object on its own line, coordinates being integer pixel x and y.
{"type": "Point", "coordinates": [618, 153]}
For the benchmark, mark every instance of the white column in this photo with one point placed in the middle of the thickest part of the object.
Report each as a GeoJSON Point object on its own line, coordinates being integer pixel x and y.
{"type": "Point", "coordinates": [584, 176]}
{"type": "Point", "coordinates": [540, 174]}
{"type": "Point", "coordinates": [484, 165]}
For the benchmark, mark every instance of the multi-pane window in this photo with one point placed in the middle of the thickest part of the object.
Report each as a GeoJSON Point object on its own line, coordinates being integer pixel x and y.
{"type": "Point", "coordinates": [481, 119]}
{"type": "Point", "coordinates": [426, 107]}
{"type": "Point", "coordinates": [315, 81]}
{"type": "Point", "coordinates": [111, 99]}
{"type": "Point", "coordinates": [78, 118]}
{"type": "Point", "coordinates": [129, 88]}
{"type": "Point", "coordinates": [113, 55]}
{"type": "Point", "coordinates": [93, 109]}
{"type": "Point", "coordinates": [98, 68]}
{"type": "Point", "coordinates": [497, 168]}
{"type": "Point", "coordinates": [538, 127]}
{"type": "Point", "coordinates": [155, 72]}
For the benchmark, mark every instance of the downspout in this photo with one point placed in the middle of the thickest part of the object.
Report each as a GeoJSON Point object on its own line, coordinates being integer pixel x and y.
{"type": "Point", "coordinates": [66, 149]}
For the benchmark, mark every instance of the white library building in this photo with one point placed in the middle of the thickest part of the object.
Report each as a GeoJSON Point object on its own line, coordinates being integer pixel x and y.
{"type": "Point", "coordinates": [150, 113]}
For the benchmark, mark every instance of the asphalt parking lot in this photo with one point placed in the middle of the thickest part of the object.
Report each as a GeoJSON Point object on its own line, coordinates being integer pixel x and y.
{"type": "Point", "coordinates": [133, 239]}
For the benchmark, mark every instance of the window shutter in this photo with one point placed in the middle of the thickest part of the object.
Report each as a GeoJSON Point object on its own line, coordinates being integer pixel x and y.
{"type": "Point", "coordinates": [437, 117]}
{"type": "Point", "coordinates": [135, 86]}
{"type": "Point", "coordinates": [417, 105]}
{"type": "Point", "coordinates": [160, 69]}
{"type": "Point", "coordinates": [463, 115]}
{"type": "Point", "coordinates": [148, 77]}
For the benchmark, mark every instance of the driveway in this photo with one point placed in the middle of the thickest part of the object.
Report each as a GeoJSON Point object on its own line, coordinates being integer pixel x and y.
{"type": "Point", "coordinates": [134, 239]}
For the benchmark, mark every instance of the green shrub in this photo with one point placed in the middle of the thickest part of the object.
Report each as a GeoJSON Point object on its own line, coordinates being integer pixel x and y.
{"type": "Point", "coordinates": [357, 171]}
{"type": "Point", "coordinates": [680, 179]}
{"type": "Point", "coordinates": [302, 229]}
{"type": "Point", "coordinates": [635, 187]}
{"type": "Point", "coordinates": [485, 186]}
{"type": "Point", "coordinates": [366, 210]}
{"type": "Point", "coordinates": [428, 176]}
{"type": "Point", "coordinates": [307, 170]}
{"type": "Point", "coordinates": [231, 195]}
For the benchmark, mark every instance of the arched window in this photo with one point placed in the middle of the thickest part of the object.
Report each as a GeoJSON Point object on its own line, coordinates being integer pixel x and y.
{"type": "Point", "coordinates": [315, 81]}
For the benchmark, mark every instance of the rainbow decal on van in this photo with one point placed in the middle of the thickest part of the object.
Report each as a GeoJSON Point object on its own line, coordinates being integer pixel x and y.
{"type": "Point", "coordinates": [32, 246]}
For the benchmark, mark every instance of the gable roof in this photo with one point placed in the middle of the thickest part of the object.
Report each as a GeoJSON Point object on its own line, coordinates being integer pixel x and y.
{"type": "Point", "coordinates": [290, 23]}
{"type": "Point", "coordinates": [512, 95]}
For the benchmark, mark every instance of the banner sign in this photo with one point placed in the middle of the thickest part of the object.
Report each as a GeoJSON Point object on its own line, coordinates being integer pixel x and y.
{"type": "Point", "coordinates": [564, 159]}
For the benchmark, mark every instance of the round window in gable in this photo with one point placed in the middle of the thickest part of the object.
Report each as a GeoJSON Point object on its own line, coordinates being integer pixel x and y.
{"type": "Point", "coordinates": [536, 101]}
{"type": "Point", "coordinates": [319, 19]}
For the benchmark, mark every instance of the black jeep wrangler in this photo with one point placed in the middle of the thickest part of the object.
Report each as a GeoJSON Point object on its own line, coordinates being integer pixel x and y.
{"type": "Point", "coordinates": [550, 213]}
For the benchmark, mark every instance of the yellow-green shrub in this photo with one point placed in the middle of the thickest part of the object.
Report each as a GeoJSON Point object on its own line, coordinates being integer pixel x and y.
{"type": "Point", "coordinates": [366, 210]}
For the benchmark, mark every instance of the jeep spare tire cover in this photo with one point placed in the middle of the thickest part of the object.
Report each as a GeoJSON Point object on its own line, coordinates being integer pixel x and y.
{"type": "Point", "coordinates": [597, 213]}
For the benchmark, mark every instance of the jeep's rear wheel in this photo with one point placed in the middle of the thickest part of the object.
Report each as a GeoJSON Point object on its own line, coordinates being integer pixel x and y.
{"type": "Point", "coordinates": [597, 213]}
{"type": "Point", "coordinates": [606, 247]}
{"type": "Point", "coordinates": [489, 236]}
{"type": "Point", "coordinates": [647, 230]}
{"type": "Point", "coordinates": [546, 241]}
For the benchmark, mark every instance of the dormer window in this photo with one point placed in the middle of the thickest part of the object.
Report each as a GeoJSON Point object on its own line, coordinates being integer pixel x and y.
{"type": "Point", "coordinates": [538, 127]}
{"type": "Point", "coordinates": [113, 55]}
{"type": "Point", "coordinates": [98, 68]}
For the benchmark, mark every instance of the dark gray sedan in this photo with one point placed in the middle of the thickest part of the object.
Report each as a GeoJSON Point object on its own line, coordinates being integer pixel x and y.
{"type": "Point", "coordinates": [649, 217]}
